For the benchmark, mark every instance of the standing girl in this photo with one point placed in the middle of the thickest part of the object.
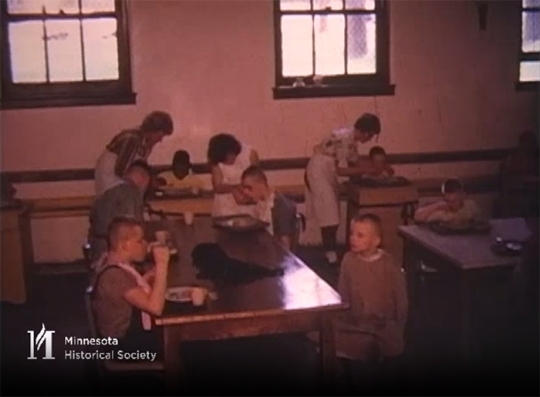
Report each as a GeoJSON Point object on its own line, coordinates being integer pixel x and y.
{"type": "Point", "coordinates": [228, 159]}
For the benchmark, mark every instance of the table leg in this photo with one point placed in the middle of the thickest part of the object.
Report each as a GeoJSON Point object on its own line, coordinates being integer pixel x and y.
{"type": "Point", "coordinates": [328, 351]}
{"type": "Point", "coordinates": [464, 313]}
{"type": "Point", "coordinates": [172, 361]}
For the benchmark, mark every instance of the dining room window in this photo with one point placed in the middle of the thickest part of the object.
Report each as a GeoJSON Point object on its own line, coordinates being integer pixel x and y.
{"type": "Point", "coordinates": [529, 60]}
{"type": "Point", "coordinates": [65, 53]}
{"type": "Point", "coordinates": [331, 48]}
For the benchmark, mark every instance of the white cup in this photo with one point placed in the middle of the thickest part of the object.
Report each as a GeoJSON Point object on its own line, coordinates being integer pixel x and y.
{"type": "Point", "coordinates": [162, 236]}
{"type": "Point", "coordinates": [198, 296]}
{"type": "Point", "coordinates": [188, 217]}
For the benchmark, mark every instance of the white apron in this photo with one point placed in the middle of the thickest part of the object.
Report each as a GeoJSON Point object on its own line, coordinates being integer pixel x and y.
{"type": "Point", "coordinates": [322, 196]}
{"type": "Point", "coordinates": [105, 178]}
{"type": "Point", "coordinates": [224, 203]}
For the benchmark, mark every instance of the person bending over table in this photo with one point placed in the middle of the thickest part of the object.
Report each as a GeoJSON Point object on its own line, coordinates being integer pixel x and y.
{"type": "Point", "coordinates": [124, 300]}
{"type": "Point", "coordinates": [272, 207]}
{"type": "Point", "coordinates": [126, 198]}
{"type": "Point", "coordinates": [228, 159]}
{"type": "Point", "coordinates": [336, 155]}
{"type": "Point", "coordinates": [128, 146]}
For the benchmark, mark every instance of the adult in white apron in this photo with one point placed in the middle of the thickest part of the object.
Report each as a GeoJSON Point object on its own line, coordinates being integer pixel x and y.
{"type": "Point", "coordinates": [228, 159]}
{"type": "Point", "coordinates": [337, 155]}
{"type": "Point", "coordinates": [128, 146]}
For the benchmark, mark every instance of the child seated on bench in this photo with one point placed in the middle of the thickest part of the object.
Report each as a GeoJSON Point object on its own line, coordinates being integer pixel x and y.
{"type": "Point", "coordinates": [181, 175]}
{"type": "Point", "coordinates": [122, 299]}
{"type": "Point", "coordinates": [453, 206]}
{"type": "Point", "coordinates": [272, 206]}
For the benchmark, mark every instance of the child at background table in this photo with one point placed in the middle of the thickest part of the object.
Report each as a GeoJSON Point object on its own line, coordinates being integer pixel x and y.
{"type": "Point", "coordinates": [453, 206]}
{"type": "Point", "coordinates": [271, 206]}
{"type": "Point", "coordinates": [380, 167]}
{"type": "Point", "coordinates": [181, 175]}
{"type": "Point", "coordinates": [372, 330]}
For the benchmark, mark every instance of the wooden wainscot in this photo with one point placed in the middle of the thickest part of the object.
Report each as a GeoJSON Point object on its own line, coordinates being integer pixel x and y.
{"type": "Point", "coordinates": [16, 254]}
{"type": "Point", "coordinates": [395, 206]}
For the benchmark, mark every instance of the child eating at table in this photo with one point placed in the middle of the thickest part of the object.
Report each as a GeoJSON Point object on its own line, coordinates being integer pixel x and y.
{"type": "Point", "coordinates": [379, 163]}
{"type": "Point", "coordinates": [453, 207]}
{"type": "Point", "coordinates": [372, 330]}
{"type": "Point", "coordinates": [271, 206]}
{"type": "Point", "coordinates": [181, 175]}
{"type": "Point", "coordinates": [122, 299]}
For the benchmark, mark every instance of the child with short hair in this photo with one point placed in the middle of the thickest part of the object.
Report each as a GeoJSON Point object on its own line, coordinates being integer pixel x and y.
{"type": "Point", "coordinates": [181, 175]}
{"type": "Point", "coordinates": [371, 282]}
{"type": "Point", "coordinates": [271, 206]}
{"type": "Point", "coordinates": [454, 205]}
{"type": "Point", "coordinates": [380, 167]}
{"type": "Point", "coordinates": [122, 298]}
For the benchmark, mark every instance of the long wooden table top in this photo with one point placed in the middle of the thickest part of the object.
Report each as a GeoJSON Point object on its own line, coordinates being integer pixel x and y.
{"type": "Point", "coordinates": [299, 289]}
{"type": "Point", "coordinates": [470, 251]}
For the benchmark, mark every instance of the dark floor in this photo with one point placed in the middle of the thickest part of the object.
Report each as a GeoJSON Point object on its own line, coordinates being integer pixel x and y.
{"type": "Point", "coordinates": [505, 359]}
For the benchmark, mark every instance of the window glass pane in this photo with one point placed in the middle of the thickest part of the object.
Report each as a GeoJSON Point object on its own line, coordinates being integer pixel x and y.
{"type": "Point", "coordinates": [328, 4]}
{"type": "Point", "coordinates": [529, 71]}
{"type": "Point", "coordinates": [100, 49]}
{"type": "Point", "coordinates": [37, 6]}
{"type": "Point", "coordinates": [530, 34]}
{"type": "Point", "coordinates": [294, 5]}
{"type": "Point", "coordinates": [64, 50]}
{"type": "Point", "coordinates": [329, 44]}
{"type": "Point", "coordinates": [90, 6]}
{"type": "Point", "coordinates": [296, 45]}
{"type": "Point", "coordinates": [531, 3]}
{"type": "Point", "coordinates": [27, 52]}
{"type": "Point", "coordinates": [361, 44]}
{"type": "Point", "coordinates": [360, 4]}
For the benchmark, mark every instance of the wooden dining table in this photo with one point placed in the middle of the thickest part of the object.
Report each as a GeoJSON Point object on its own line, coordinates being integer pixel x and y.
{"type": "Point", "coordinates": [467, 259]}
{"type": "Point", "coordinates": [297, 301]}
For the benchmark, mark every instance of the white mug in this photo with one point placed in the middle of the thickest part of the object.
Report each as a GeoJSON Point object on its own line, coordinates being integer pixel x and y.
{"type": "Point", "coordinates": [198, 296]}
{"type": "Point", "coordinates": [188, 217]}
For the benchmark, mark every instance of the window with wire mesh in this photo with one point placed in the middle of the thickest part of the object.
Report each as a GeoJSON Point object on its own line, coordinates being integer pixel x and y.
{"type": "Point", "coordinates": [529, 65]}
{"type": "Point", "coordinates": [344, 41]}
{"type": "Point", "coordinates": [64, 49]}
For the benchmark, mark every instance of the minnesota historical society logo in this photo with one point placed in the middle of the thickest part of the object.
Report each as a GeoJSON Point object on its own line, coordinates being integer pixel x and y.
{"type": "Point", "coordinates": [43, 339]}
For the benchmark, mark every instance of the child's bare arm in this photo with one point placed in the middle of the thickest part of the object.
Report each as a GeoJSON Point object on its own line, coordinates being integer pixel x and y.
{"type": "Point", "coordinates": [422, 214]}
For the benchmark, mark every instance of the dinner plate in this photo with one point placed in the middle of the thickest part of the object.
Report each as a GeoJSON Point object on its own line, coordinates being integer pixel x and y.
{"type": "Point", "coordinates": [179, 294]}
{"type": "Point", "coordinates": [239, 223]}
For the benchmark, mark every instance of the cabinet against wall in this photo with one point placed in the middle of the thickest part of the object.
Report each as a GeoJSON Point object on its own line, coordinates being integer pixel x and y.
{"type": "Point", "coordinates": [16, 255]}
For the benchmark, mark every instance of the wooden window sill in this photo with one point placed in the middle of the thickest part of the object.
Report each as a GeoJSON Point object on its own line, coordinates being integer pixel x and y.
{"type": "Point", "coordinates": [326, 91]}
{"type": "Point", "coordinates": [528, 86]}
{"type": "Point", "coordinates": [49, 102]}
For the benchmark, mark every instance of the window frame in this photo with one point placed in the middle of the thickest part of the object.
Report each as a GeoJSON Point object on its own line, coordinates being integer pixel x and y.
{"type": "Point", "coordinates": [526, 56]}
{"type": "Point", "coordinates": [66, 94]}
{"type": "Point", "coordinates": [376, 84]}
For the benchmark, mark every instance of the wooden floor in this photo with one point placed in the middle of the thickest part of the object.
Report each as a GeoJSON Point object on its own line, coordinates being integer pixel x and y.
{"type": "Point", "coordinates": [504, 363]}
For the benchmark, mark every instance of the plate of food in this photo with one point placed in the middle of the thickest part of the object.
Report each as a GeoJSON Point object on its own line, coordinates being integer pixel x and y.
{"type": "Point", "coordinates": [179, 294]}
{"type": "Point", "coordinates": [473, 226]}
{"type": "Point", "coordinates": [239, 223]}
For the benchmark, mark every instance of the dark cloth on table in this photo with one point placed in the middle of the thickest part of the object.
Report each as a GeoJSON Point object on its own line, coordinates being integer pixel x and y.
{"type": "Point", "coordinates": [214, 263]}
